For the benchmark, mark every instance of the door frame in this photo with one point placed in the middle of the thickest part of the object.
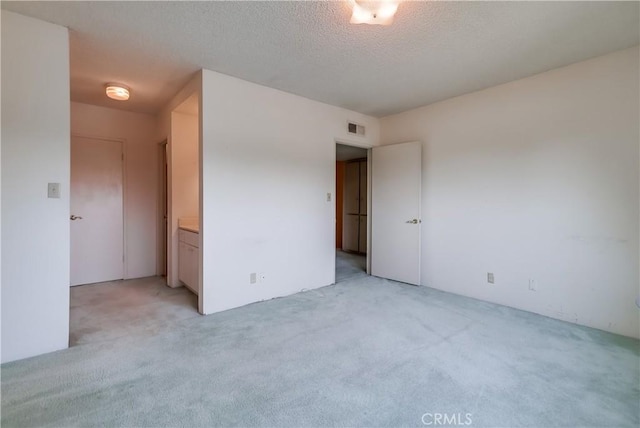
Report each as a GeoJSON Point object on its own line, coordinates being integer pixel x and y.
{"type": "Point", "coordinates": [368, 147]}
{"type": "Point", "coordinates": [163, 210]}
{"type": "Point", "coordinates": [123, 148]}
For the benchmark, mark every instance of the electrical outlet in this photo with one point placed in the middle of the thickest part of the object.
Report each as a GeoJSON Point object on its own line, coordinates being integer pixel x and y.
{"type": "Point", "coordinates": [533, 285]}
{"type": "Point", "coordinates": [328, 196]}
{"type": "Point", "coordinates": [53, 190]}
{"type": "Point", "coordinates": [490, 278]}
{"type": "Point", "coordinates": [253, 278]}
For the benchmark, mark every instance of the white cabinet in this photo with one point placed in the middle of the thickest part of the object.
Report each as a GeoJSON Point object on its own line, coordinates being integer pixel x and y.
{"type": "Point", "coordinates": [189, 259]}
{"type": "Point", "coordinates": [354, 227]}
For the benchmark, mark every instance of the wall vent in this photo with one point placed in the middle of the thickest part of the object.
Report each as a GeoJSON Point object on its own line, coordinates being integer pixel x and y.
{"type": "Point", "coordinates": [355, 129]}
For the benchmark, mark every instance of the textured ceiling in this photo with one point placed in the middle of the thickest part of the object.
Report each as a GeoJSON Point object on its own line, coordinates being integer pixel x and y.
{"type": "Point", "coordinates": [433, 50]}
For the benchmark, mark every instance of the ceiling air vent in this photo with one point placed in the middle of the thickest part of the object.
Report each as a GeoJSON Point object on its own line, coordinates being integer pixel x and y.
{"type": "Point", "coordinates": [356, 129]}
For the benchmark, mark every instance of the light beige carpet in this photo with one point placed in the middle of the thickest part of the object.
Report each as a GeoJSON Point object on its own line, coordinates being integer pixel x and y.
{"type": "Point", "coordinates": [365, 352]}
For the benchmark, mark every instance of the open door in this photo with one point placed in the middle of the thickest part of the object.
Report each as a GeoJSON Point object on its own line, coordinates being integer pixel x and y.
{"type": "Point", "coordinates": [396, 179]}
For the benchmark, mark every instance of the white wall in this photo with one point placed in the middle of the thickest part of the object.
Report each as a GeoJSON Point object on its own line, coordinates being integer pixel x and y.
{"type": "Point", "coordinates": [536, 179]}
{"type": "Point", "coordinates": [138, 132]}
{"type": "Point", "coordinates": [178, 102]}
{"type": "Point", "coordinates": [268, 161]}
{"type": "Point", "coordinates": [35, 151]}
{"type": "Point", "coordinates": [184, 181]}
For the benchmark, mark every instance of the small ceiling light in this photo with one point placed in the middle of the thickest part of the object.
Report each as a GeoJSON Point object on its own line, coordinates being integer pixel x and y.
{"type": "Point", "coordinates": [117, 91]}
{"type": "Point", "coordinates": [373, 12]}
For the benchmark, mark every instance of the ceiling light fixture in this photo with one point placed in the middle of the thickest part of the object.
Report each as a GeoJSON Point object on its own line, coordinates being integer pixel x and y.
{"type": "Point", "coordinates": [373, 12]}
{"type": "Point", "coordinates": [117, 91]}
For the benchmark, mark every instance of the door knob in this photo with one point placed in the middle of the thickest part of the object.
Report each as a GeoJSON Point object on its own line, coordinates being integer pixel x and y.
{"type": "Point", "coordinates": [75, 217]}
{"type": "Point", "coordinates": [414, 221]}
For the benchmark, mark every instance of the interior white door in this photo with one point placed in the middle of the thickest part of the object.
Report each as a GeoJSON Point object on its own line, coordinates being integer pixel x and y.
{"type": "Point", "coordinates": [97, 251]}
{"type": "Point", "coordinates": [396, 178]}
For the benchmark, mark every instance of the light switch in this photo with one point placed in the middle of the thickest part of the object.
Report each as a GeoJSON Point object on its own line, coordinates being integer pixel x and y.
{"type": "Point", "coordinates": [53, 190]}
{"type": "Point", "coordinates": [329, 197]}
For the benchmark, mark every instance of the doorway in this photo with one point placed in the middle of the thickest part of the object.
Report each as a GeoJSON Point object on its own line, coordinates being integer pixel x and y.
{"type": "Point", "coordinates": [352, 232]}
{"type": "Point", "coordinates": [390, 243]}
{"type": "Point", "coordinates": [183, 241]}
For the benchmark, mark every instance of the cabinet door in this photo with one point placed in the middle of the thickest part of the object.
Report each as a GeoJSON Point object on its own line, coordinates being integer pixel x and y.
{"type": "Point", "coordinates": [183, 262]}
{"type": "Point", "coordinates": [188, 261]}
{"type": "Point", "coordinates": [363, 187]}
{"type": "Point", "coordinates": [193, 269]}
{"type": "Point", "coordinates": [362, 241]}
{"type": "Point", "coordinates": [350, 231]}
{"type": "Point", "coordinates": [352, 188]}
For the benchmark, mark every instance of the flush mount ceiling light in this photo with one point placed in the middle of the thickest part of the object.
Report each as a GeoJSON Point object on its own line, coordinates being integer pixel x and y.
{"type": "Point", "coordinates": [117, 91]}
{"type": "Point", "coordinates": [373, 12]}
